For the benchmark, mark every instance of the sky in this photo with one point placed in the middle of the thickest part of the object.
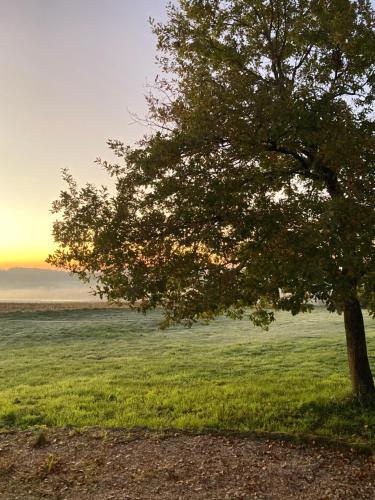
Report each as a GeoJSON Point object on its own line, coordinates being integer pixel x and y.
{"type": "Point", "coordinates": [71, 72]}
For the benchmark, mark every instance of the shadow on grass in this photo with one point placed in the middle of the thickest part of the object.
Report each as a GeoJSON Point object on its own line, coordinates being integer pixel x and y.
{"type": "Point", "coordinates": [345, 409]}
{"type": "Point", "coordinates": [349, 419]}
{"type": "Point", "coordinates": [346, 423]}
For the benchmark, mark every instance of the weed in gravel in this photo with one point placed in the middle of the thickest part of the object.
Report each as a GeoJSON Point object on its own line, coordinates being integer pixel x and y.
{"type": "Point", "coordinates": [51, 464]}
{"type": "Point", "coordinates": [40, 439]}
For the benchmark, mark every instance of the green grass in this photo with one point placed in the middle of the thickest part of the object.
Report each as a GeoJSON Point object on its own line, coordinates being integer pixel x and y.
{"type": "Point", "coordinates": [115, 368]}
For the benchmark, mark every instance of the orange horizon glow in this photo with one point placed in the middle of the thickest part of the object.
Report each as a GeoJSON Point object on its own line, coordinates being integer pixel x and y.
{"type": "Point", "coordinates": [28, 241]}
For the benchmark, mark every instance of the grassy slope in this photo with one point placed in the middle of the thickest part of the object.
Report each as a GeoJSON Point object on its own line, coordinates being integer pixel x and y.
{"type": "Point", "coordinates": [115, 368]}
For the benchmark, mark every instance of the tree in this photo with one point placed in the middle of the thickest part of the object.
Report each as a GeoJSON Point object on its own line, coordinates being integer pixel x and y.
{"type": "Point", "coordinates": [258, 176]}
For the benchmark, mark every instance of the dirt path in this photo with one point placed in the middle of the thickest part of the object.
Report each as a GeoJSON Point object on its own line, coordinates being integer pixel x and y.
{"type": "Point", "coordinates": [11, 307]}
{"type": "Point", "coordinates": [118, 465]}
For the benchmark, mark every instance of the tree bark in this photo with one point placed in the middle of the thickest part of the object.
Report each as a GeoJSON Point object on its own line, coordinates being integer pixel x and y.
{"type": "Point", "coordinates": [359, 366]}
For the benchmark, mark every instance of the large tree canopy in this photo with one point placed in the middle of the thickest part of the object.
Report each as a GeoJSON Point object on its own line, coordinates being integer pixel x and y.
{"type": "Point", "coordinates": [259, 175]}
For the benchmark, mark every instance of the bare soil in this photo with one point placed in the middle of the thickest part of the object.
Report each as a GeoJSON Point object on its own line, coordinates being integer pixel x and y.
{"type": "Point", "coordinates": [10, 307]}
{"type": "Point", "coordinates": [116, 464]}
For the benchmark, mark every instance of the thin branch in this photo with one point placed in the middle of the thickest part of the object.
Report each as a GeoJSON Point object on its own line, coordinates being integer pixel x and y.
{"type": "Point", "coordinates": [301, 61]}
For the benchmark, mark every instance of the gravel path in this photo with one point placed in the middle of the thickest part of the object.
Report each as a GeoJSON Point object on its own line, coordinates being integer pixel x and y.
{"type": "Point", "coordinates": [103, 465]}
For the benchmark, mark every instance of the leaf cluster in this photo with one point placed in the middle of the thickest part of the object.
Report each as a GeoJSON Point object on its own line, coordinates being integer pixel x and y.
{"type": "Point", "coordinates": [257, 186]}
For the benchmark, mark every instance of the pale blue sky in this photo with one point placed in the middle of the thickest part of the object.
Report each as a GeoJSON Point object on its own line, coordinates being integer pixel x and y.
{"type": "Point", "coordinates": [70, 71]}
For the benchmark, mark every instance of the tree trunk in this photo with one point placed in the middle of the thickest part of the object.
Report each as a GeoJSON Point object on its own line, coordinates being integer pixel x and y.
{"type": "Point", "coordinates": [360, 372]}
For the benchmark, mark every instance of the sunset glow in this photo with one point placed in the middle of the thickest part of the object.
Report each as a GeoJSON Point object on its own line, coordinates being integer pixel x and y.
{"type": "Point", "coordinates": [71, 73]}
{"type": "Point", "coordinates": [28, 239]}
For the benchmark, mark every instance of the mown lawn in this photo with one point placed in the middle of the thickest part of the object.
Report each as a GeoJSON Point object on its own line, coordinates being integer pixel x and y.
{"type": "Point", "coordinates": [115, 368]}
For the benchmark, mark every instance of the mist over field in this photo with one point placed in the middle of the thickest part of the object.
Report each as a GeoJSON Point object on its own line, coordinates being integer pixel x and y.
{"type": "Point", "coordinates": [41, 284]}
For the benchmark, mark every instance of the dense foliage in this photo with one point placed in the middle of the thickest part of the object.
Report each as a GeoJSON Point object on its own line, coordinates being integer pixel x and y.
{"type": "Point", "coordinates": [259, 175]}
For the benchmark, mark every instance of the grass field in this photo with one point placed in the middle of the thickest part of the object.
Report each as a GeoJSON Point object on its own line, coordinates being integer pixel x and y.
{"type": "Point", "coordinates": [115, 368]}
